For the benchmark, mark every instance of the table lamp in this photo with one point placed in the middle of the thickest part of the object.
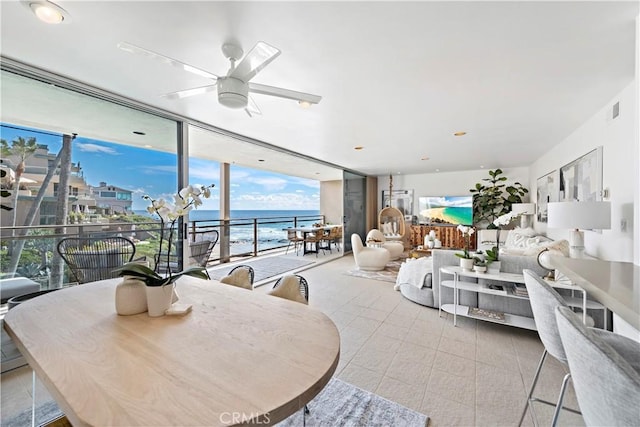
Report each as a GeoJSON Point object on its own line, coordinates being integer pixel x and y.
{"type": "Point", "coordinates": [579, 215]}
{"type": "Point", "coordinates": [526, 212]}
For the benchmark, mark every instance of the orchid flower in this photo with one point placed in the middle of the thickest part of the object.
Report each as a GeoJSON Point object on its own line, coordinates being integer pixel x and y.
{"type": "Point", "coordinates": [185, 200]}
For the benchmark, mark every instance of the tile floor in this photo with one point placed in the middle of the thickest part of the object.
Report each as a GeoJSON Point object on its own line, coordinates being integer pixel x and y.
{"type": "Point", "coordinates": [477, 373]}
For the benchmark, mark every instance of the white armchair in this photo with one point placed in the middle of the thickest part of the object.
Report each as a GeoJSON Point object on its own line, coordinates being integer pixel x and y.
{"type": "Point", "coordinates": [395, 248]}
{"type": "Point", "coordinates": [368, 259]}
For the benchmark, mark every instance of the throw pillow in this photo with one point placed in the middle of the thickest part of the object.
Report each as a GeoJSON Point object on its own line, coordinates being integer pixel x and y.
{"type": "Point", "coordinates": [559, 247]}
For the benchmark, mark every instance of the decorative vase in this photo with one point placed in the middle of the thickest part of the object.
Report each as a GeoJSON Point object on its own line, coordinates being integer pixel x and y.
{"type": "Point", "coordinates": [159, 299]}
{"type": "Point", "coordinates": [494, 267]}
{"type": "Point", "coordinates": [131, 296]}
{"type": "Point", "coordinates": [466, 264]}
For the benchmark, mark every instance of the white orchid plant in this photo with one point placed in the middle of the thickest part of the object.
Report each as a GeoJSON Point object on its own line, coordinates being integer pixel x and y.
{"type": "Point", "coordinates": [493, 254]}
{"type": "Point", "coordinates": [185, 200]}
{"type": "Point", "coordinates": [466, 231]}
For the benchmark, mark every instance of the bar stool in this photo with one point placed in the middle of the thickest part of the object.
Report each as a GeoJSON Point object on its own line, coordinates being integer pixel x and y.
{"type": "Point", "coordinates": [605, 368]}
{"type": "Point", "coordinates": [544, 300]}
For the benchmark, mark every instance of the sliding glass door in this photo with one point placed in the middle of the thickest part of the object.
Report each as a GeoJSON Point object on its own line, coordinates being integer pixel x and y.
{"type": "Point", "coordinates": [354, 194]}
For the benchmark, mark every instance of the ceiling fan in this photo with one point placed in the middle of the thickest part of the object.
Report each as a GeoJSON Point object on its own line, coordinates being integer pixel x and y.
{"type": "Point", "coordinates": [235, 86]}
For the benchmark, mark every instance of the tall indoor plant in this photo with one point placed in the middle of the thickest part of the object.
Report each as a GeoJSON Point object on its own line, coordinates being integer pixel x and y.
{"type": "Point", "coordinates": [493, 197]}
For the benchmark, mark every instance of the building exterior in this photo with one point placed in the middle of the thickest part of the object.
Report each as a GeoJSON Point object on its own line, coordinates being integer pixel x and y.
{"type": "Point", "coordinates": [86, 203]}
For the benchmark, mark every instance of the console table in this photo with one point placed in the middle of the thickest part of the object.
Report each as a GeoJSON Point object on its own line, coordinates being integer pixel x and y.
{"type": "Point", "coordinates": [509, 319]}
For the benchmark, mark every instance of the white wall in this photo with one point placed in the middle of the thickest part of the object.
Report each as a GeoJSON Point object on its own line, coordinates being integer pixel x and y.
{"type": "Point", "coordinates": [620, 165]}
{"type": "Point", "coordinates": [447, 183]}
{"type": "Point", "coordinates": [636, 224]}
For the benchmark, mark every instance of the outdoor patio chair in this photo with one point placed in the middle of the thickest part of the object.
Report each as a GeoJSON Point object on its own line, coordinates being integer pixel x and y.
{"type": "Point", "coordinates": [199, 253]}
{"type": "Point", "coordinates": [293, 238]}
{"type": "Point", "coordinates": [94, 258]}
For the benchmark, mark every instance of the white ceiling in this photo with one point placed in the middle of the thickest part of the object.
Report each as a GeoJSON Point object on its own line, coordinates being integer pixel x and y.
{"type": "Point", "coordinates": [398, 78]}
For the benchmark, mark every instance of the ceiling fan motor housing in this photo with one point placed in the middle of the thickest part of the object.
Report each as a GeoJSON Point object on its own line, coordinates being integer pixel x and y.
{"type": "Point", "coordinates": [232, 92]}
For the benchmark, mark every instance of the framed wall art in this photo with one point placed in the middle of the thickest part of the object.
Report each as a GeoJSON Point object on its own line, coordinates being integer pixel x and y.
{"type": "Point", "coordinates": [581, 180]}
{"type": "Point", "coordinates": [546, 192]}
{"type": "Point", "coordinates": [400, 199]}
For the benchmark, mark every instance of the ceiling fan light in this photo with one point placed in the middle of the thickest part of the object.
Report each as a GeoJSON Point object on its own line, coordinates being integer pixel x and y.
{"type": "Point", "coordinates": [232, 100]}
{"type": "Point", "coordinates": [48, 12]}
{"type": "Point", "coordinates": [233, 93]}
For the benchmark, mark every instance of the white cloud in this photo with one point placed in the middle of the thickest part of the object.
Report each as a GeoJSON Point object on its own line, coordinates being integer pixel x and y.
{"type": "Point", "coordinates": [95, 148]}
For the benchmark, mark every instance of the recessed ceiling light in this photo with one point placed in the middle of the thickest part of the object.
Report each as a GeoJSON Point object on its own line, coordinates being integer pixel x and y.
{"type": "Point", "coordinates": [48, 12]}
{"type": "Point", "coordinates": [148, 146]}
{"type": "Point", "coordinates": [481, 166]}
{"type": "Point", "coordinates": [358, 147]}
{"type": "Point", "coordinates": [304, 104]}
{"type": "Point", "coordinates": [461, 133]}
{"type": "Point", "coordinates": [137, 132]}
{"type": "Point", "coordinates": [437, 170]}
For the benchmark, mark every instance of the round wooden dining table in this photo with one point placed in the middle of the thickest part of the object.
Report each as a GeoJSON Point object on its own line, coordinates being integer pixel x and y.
{"type": "Point", "coordinates": [237, 357]}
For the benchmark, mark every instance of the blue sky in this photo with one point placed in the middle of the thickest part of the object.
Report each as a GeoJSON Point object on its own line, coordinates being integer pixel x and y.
{"type": "Point", "coordinates": [150, 172]}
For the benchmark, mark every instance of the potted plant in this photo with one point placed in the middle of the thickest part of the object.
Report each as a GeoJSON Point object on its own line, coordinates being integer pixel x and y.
{"type": "Point", "coordinates": [160, 296]}
{"type": "Point", "coordinates": [466, 261]}
{"type": "Point", "coordinates": [479, 265]}
{"type": "Point", "coordinates": [494, 198]}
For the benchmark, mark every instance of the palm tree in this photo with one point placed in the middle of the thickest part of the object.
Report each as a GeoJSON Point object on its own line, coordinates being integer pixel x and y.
{"type": "Point", "coordinates": [22, 149]}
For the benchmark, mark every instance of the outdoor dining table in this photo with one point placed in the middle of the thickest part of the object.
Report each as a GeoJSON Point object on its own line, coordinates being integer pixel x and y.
{"type": "Point", "coordinates": [237, 357]}
{"type": "Point", "coordinates": [306, 231]}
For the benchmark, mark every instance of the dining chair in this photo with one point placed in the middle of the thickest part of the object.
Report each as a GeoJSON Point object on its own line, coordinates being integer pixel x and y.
{"type": "Point", "coordinates": [94, 258]}
{"type": "Point", "coordinates": [241, 276]}
{"type": "Point", "coordinates": [293, 238]}
{"type": "Point", "coordinates": [544, 300]}
{"type": "Point", "coordinates": [295, 288]}
{"type": "Point", "coordinates": [292, 287]}
{"type": "Point", "coordinates": [605, 368]}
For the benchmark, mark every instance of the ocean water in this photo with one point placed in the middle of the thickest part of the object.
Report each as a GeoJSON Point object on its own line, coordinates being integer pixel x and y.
{"type": "Point", "coordinates": [270, 225]}
{"type": "Point", "coordinates": [458, 215]}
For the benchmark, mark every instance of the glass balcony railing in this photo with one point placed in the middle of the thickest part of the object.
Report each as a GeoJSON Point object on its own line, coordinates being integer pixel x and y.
{"type": "Point", "coordinates": [39, 261]}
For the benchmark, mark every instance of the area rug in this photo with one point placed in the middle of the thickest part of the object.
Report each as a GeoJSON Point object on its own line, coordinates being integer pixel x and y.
{"type": "Point", "coordinates": [45, 412]}
{"type": "Point", "coordinates": [264, 267]}
{"type": "Point", "coordinates": [389, 274]}
{"type": "Point", "coordinates": [343, 404]}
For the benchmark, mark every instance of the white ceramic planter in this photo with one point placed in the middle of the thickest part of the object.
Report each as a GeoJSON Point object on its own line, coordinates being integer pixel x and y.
{"type": "Point", "coordinates": [480, 268]}
{"type": "Point", "coordinates": [494, 267]}
{"type": "Point", "coordinates": [131, 296]}
{"type": "Point", "coordinates": [466, 264]}
{"type": "Point", "coordinates": [159, 299]}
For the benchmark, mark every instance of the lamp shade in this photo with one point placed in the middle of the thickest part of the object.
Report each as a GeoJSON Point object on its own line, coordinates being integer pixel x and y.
{"type": "Point", "coordinates": [579, 215]}
{"type": "Point", "coordinates": [523, 208]}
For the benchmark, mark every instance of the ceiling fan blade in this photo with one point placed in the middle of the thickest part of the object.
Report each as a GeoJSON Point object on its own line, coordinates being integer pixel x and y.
{"type": "Point", "coordinates": [190, 92]}
{"type": "Point", "coordinates": [259, 57]}
{"type": "Point", "coordinates": [284, 93]}
{"type": "Point", "coordinates": [128, 47]}
{"type": "Point", "coordinates": [252, 108]}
